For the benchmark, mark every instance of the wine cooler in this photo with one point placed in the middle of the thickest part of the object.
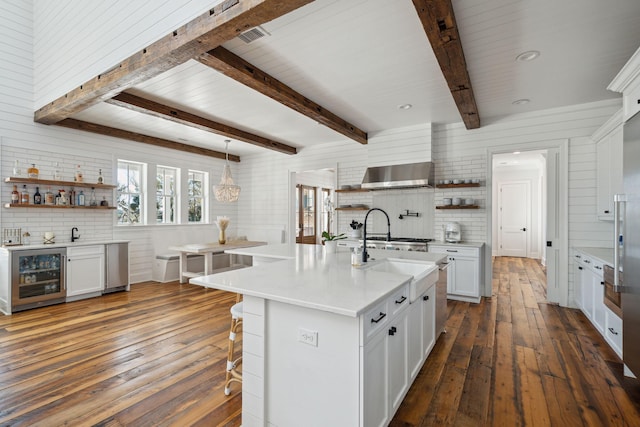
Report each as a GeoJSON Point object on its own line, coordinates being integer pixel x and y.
{"type": "Point", "coordinates": [38, 278]}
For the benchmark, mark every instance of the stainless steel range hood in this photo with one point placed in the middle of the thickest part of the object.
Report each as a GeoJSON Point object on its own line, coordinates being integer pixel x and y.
{"type": "Point", "coordinates": [399, 176]}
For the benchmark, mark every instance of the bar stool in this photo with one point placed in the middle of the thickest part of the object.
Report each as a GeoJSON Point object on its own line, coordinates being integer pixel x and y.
{"type": "Point", "coordinates": [233, 375]}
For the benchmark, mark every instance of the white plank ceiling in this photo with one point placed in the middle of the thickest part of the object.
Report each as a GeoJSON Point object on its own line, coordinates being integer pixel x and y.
{"type": "Point", "coordinates": [361, 59]}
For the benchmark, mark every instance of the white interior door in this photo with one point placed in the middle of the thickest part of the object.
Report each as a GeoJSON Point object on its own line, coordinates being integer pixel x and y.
{"type": "Point", "coordinates": [514, 219]}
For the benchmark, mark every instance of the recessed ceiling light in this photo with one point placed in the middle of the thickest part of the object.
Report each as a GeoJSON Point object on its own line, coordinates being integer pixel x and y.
{"type": "Point", "coordinates": [529, 55]}
{"type": "Point", "coordinates": [522, 101]}
{"type": "Point", "coordinates": [405, 106]}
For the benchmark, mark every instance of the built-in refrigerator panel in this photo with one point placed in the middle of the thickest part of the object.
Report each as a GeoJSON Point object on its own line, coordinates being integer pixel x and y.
{"type": "Point", "coordinates": [628, 244]}
{"type": "Point", "coordinates": [38, 278]}
{"type": "Point", "coordinates": [117, 263]}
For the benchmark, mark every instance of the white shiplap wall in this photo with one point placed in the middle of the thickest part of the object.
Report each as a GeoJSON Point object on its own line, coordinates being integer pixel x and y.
{"type": "Point", "coordinates": [458, 151]}
{"type": "Point", "coordinates": [28, 142]}
{"type": "Point", "coordinates": [76, 40]}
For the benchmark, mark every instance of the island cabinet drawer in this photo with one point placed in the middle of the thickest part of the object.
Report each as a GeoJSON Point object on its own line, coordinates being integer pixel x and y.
{"type": "Point", "coordinates": [399, 300]}
{"type": "Point", "coordinates": [454, 250]}
{"type": "Point", "coordinates": [375, 319]}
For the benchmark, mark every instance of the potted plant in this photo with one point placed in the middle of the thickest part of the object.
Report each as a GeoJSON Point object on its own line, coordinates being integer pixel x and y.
{"type": "Point", "coordinates": [330, 240]}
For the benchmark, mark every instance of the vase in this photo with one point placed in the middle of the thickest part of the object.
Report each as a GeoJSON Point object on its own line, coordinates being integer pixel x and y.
{"type": "Point", "coordinates": [222, 239]}
{"type": "Point", "coordinates": [331, 246]}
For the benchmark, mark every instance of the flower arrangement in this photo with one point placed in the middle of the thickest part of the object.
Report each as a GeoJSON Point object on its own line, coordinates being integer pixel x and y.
{"type": "Point", "coordinates": [222, 222]}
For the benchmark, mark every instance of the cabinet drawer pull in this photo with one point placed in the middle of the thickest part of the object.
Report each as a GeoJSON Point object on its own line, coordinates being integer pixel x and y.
{"type": "Point", "coordinates": [392, 330]}
{"type": "Point", "coordinates": [586, 261]}
{"type": "Point", "coordinates": [613, 331]}
{"type": "Point", "coordinates": [579, 268]}
{"type": "Point", "coordinates": [379, 318]}
{"type": "Point", "coordinates": [452, 250]}
{"type": "Point", "coordinates": [597, 267]}
{"type": "Point", "coordinates": [401, 300]}
{"type": "Point", "coordinates": [578, 256]}
{"type": "Point", "coordinates": [606, 211]}
{"type": "Point", "coordinates": [425, 298]}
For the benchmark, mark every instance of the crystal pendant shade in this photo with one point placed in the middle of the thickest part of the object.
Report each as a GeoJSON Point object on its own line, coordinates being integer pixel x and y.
{"type": "Point", "coordinates": [226, 191]}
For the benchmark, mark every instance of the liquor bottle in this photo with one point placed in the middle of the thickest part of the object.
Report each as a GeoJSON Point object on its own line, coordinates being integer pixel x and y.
{"type": "Point", "coordinates": [57, 173]}
{"type": "Point", "coordinates": [79, 177]}
{"type": "Point", "coordinates": [33, 171]}
{"type": "Point", "coordinates": [81, 198]}
{"type": "Point", "coordinates": [100, 179]}
{"type": "Point", "coordinates": [16, 168]}
{"type": "Point", "coordinates": [72, 196]}
{"type": "Point", "coordinates": [25, 196]}
{"type": "Point", "coordinates": [48, 197]}
{"type": "Point", "coordinates": [57, 199]}
{"type": "Point", "coordinates": [37, 197]}
{"type": "Point", "coordinates": [15, 196]}
{"type": "Point", "coordinates": [92, 199]}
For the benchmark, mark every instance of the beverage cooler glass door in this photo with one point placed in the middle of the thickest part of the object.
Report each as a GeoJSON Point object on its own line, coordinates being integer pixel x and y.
{"type": "Point", "coordinates": [38, 278]}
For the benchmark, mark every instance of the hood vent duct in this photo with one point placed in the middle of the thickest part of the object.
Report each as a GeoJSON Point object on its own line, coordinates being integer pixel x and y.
{"type": "Point", "coordinates": [409, 175]}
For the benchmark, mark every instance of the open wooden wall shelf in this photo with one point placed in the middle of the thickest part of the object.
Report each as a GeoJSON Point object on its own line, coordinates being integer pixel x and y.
{"type": "Point", "coordinates": [31, 205]}
{"type": "Point", "coordinates": [53, 183]}
{"type": "Point", "coordinates": [457, 185]}
{"type": "Point", "coordinates": [353, 190]}
{"type": "Point", "coordinates": [458, 207]}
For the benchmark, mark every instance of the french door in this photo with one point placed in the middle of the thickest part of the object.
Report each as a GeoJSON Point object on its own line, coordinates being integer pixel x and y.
{"type": "Point", "coordinates": [306, 213]}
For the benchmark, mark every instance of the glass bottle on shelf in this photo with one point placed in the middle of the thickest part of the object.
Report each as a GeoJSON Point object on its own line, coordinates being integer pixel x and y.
{"type": "Point", "coordinates": [48, 197]}
{"type": "Point", "coordinates": [100, 178]}
{"type": "Point", "coordinates": [33, 171]}
{"type": "Point", "coordinates": [92, 199]}
{"type": "Point", "coordinates": [104, 202]}
{"type": "Point", "coordinates": [81, 198]}
{"type": "Point", "coordinates": [37, 197]}
{"type": "Point", "coordinates": [72, 196]}
{"type": "Point", "coordinates": [15, 196]}
{"type": "Point", "coordinates": [24, 199]}
{"type": "Point", "coordinates": [16, 168]}
{"type": "Point", "coordinates": [79, 177]}
{"type": "Point", "coordinates": [57, 173]}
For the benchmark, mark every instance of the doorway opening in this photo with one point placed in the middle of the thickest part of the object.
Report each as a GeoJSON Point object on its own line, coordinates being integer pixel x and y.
{"type": "Point", "coordinates": [520, 200]}
{"type": "Point", "coordinates": [535, 222]}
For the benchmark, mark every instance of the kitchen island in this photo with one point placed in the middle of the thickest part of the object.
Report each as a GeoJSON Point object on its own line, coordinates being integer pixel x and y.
{"type": "Point", "coordinates": [325, 343]}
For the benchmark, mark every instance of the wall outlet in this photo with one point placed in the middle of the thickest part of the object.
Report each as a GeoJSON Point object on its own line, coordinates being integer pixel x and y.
{"type": "Point", "coordinates": [308, 337]}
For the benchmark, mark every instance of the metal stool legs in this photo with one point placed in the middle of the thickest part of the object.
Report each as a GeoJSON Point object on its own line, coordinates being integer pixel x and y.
{"type": "Point", "coordinates": [233, 375]}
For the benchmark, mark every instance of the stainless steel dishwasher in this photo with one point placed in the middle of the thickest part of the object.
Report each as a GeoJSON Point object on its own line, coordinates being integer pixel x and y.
{"type": "Point", "coordinates": [117, 267]}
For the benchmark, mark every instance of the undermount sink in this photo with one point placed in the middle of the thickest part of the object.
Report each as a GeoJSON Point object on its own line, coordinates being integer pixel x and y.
{"type": "Point", "coordinates": [424, 273]}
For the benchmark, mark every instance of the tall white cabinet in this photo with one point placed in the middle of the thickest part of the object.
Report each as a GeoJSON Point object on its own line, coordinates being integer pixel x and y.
{"type": "Point", "coordinates": [609, 140]}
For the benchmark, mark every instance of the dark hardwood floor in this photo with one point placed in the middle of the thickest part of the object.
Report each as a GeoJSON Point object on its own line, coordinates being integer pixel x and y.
{"type": "Point", "coordinates": [155, 356]}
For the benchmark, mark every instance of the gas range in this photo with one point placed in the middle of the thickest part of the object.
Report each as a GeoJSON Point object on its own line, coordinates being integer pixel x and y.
{"type": "Point", "coordinates": [397, 243]}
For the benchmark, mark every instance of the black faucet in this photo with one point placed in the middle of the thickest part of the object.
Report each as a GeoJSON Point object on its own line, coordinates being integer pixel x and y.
{"type": "Point", "coordinates": [365, 255]}
{"type": "Point", "coordinates": [73, 235]}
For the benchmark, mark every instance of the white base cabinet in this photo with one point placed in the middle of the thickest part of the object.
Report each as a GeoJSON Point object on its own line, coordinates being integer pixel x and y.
{"type": "Point", "coordinates": [358, 369]}
{"type": "Point", "coordinates": [465, 270]}
{"type": "Point", "coordinates": [588, 285]}
{"type": "Point", "coordinates": [85, 271]}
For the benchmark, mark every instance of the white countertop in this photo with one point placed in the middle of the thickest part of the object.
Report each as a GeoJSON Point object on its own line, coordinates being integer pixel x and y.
{"type": "Point", "coordinates": [61, 245]}
{"type": "Point", "coordinates": [605, 255]}
{"type": "Point", "coordinates": [279, 251]}
{"type": "Point", "coordinates": [312, 279]}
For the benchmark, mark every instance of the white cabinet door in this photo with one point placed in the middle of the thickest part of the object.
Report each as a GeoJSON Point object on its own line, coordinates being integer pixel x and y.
{"type": "Point", "coordinates": [85, 270]}
{"type": "Point", "coordinates": [466, 276]}
{"type": "Point", "coordinates": [586, 279]}
{"type": "Point", "coordinates": [398, 334]}
{"type": "Point", "coordinates": [428, 301]}
{"type": "Point", "coordinates": [578, 286]}
{"type": "Point", "coordinates": [609, 172]}
{"type": "Point", "coordinates": [375, 379]}
{"type": "Point", "coordinates": [415, 345]}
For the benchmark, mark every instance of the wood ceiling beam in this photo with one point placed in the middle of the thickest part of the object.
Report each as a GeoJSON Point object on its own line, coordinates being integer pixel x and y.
{"type": "Point", "coordinates": [231, 65]}
{"type": "Point", "coordinates": [146, 106]}
{"type": "Point", "coordinates": [439, 22]}
{"type": "Point", "coordinates": [220, 24]}
{"type": "Point", "coordinates": [145, 139]}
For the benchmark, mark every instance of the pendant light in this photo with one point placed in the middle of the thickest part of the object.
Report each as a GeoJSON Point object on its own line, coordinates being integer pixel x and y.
{"type": "Point", "coordinates": [226, 191]}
